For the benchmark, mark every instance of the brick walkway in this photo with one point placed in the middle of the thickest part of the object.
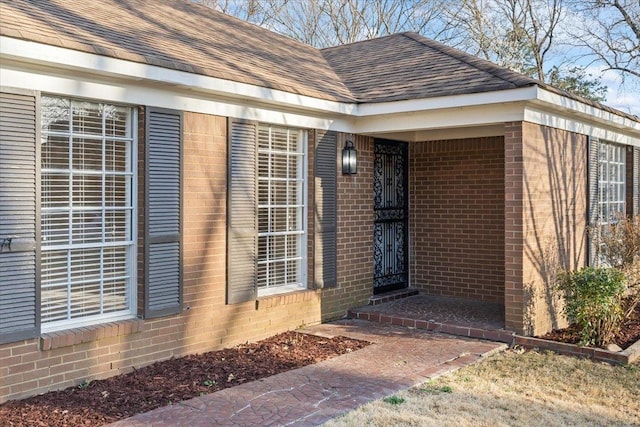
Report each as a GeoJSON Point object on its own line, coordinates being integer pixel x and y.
{"type": "Point", "coordinates": [457, 316]}
{"type": "Point", "coordinates": [398, 359]}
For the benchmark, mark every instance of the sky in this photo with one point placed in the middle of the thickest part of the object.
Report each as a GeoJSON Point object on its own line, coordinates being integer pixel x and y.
{"type": "Point", "coordinates": [622, 97]}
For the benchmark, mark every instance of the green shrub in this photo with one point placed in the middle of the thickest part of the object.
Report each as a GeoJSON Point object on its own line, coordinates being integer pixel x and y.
{"type": "Point", "coordinates": [618, 243]}
{"type": "Point", "coordinates": [594, 302]}
{"type": "Point", "coordinates": [618, 246]}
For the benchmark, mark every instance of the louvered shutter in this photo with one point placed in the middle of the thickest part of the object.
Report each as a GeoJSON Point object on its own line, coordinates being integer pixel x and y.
{"type": "Point", "coordinates": [19, 218]}
{"type": "Point", "coordinates": [242, 233]}
{"type": "Point", "coordinates": [163, 211]}
{"type": "Point", "coordinates": [593, 196]}
{"type": "Point", "coordinates": [325, 223]}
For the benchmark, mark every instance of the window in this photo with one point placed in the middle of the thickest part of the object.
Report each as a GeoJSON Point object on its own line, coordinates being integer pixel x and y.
{"type": "Point", "coordinates": [87, 212]}
{"type": "Point", "coordinates": [281, 209]}
{"type": "Point", "coordinates": [611, 184]}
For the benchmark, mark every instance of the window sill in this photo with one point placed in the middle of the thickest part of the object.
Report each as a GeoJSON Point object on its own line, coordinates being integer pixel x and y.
{"type": "Point", "coordinates": [284, 298]}
{"type": "Point", "coordinates": [280, 290]}
{"type": "Point", "coordinates": [69, 337]}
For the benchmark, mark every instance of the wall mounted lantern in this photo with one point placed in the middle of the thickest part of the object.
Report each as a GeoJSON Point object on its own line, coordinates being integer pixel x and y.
{"type": "Point", "coordinates": [349, 159]}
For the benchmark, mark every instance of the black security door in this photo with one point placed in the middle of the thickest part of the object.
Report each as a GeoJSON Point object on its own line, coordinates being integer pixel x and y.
{"type": "Point", "coordinates": [390, 200]}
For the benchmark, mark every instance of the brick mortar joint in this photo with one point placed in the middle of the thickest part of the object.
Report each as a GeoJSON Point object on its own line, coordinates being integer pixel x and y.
{"type": "Point", "coordinates": [69, 337]}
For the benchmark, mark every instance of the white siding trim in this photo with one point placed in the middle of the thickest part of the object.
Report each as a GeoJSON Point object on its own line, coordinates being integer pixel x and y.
{"type": "Point", "coordinates": [441, 102]}
{"type": "Point", "coordinates": [440, 119]}
{"type": "Point", "coordinates": [585, 110]}
{"type": "Point", "coordinates": [591, 128]}
{"type": "Point", "coordinates": [58, 57]}
{"type": "Point", "coordinates": [135, 93]}
{"type": "Point", "coordinates": [36, 66]}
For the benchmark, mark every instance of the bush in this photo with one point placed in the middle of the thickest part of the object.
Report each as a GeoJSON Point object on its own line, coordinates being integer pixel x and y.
{"type": "Point", "coordinates": [594, 301]}
{"type": "Point", "coordinates": [619, 247]}
{"type": "Point", "coordinates": [619, 242]}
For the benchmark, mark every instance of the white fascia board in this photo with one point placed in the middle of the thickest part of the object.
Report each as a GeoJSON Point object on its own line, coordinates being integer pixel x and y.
{"type": "Point", "coordinates": [62, 58]}
{"type": "Point", "coordinates": [32, 65]}
{"type": "Point", "coordinates": [479, 115]}
{"type": "Point", "coordinates": [442, 102]}
{"type": "Point", "coordinates": [575, 107]}
{"type": "Point", "coordinates": [586, 127]}
{"type": "Point", "coordinates": [134, 93]}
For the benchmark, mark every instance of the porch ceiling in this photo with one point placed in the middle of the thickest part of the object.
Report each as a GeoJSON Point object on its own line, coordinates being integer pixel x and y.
{"type": "Point", "coordinates": [442, 133]}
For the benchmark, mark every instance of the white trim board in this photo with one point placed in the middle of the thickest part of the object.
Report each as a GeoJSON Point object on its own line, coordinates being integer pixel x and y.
{"type": "Point", "coordinates": [595, 129]}
{"type": "Point", "coordinates": [57, 57]}
{"type": "Point", "coordinates": [171, 98]}
{"type": "Point", "coordinates": [31, 65]}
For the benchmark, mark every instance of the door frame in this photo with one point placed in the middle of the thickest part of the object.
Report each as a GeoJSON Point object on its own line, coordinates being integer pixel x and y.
{"type": "Point", "coordinates": [401, 217]}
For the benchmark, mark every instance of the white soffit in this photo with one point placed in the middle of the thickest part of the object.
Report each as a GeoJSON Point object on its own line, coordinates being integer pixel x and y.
{"type": "Point", "coordinates": [443, 134]}
{"type": "Point", "coordinates": [444, 102]}
{"type": "Point", "coordinates": [32, 65]}
{"type": "Point", "coordinates": [557, 111]}
{"type": "Point", "coordinates": [139, 93]}
{"type": "Point", "coordinates": [57, 57]}
{"type": "Point", "coordinates": [477, 115]}
{"type": "Point", "coordinates": [586, 127]}
{"type": "Point", "coordinates": [569, 105]}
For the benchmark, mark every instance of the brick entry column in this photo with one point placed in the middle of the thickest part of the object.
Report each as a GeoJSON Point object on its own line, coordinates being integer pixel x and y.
{"type": "Point", "coordinates": [514, 228]}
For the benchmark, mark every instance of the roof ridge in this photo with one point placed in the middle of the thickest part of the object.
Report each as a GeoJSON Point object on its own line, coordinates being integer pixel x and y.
{"type": "Point", "coordinates": [487, 66]}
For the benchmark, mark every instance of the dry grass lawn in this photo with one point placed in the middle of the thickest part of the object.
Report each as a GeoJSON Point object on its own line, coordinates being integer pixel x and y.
{"type": "Point", "coordinates": [514, 388]}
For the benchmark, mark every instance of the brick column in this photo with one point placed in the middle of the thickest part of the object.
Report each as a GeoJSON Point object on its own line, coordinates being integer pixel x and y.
{"type": "Point", "coordinates": [514, 224]}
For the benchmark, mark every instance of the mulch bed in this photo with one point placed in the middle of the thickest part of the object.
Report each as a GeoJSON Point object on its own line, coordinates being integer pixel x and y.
{"type": "Point", "coordinates": [629, 334]}
{"type": "Point", "coordinates": [104, 401]}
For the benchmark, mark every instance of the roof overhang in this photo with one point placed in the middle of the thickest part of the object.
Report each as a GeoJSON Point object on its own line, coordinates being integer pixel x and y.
{"type": "Point", "coordinates": [32, 65]}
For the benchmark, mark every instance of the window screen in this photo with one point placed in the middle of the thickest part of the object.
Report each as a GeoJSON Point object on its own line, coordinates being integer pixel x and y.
{"type": "Point", "coordinates": [87, 209]}
{"type": "Point", "coordinates": [281, 207]}
{"type": "Point", "coordinates": [611, 185]}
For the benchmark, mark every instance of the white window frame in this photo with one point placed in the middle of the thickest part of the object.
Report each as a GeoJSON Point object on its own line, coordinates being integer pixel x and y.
{"type": "Point", "coordinates": [612, 194]}
{"type": "Point", "coordinates": [132, 232]}
{"type": "Point", "coordinates": [277, 288]}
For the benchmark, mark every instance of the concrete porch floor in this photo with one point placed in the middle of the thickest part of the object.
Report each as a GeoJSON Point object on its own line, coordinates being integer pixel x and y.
{"type": "Point", "coordinates": [462, 317]}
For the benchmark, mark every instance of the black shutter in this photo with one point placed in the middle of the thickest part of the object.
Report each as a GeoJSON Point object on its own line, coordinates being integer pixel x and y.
{"type": "Point", "coordinates": [19, 216]}
{"type": "Point", "coordinates": [242, 218]}
{"type": "Point", "coordinates": [163, 211]}
{"type": "Point", "coordinates": [593, 210]}
{"type": "Point", "coordinates": [325, 223]}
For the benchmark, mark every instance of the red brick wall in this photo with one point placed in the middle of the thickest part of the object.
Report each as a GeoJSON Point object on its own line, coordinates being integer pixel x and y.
{"type": "Point", "coordinates": [355, 233]}
{"type": "Point", "coordinates": [554, 219]}
{"type": "Point", "coordinates": [67, 358]}
{"type": "Point", "coordinates": [514, 245]}
{"type": "Point", "coordinates": [545, 197]}
{"type": "Point", "coordinates": [457, 217]}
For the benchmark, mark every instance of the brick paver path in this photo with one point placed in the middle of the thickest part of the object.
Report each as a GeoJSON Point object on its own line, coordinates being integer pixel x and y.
{"type": "Point", "coordinates": [398, 359]}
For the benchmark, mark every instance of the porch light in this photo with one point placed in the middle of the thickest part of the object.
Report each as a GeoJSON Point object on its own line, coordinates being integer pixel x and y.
{"type": "Point", "coordinates": [349, 159]}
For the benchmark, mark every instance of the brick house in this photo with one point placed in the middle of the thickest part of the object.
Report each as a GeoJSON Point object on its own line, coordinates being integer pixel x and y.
{"type": "Point", "coordinates": [171, 182]}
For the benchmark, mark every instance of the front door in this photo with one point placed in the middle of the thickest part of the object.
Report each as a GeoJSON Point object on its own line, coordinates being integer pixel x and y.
{"type": "Point", "coordinates": [390, 200]}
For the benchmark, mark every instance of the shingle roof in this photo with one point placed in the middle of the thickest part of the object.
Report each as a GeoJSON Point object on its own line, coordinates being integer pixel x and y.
{"type": "Point", "coordinates": [409, 66]}
{"type": "Point", "coordinates": [181, 35]}
{"type": "Point", "coordinates": [178, 35]}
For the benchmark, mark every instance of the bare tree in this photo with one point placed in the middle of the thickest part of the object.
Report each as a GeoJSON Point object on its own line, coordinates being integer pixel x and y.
{"type": "Point", "coordinates": [518, 34]}
{"type": "Point", "coordinates": [609, 31]}
{"type": "Point", "coordinates": [528, 36]}
{"type": "Point", "coordinates": [323, 23]}
{"type": "Point", "coordinates": [247, 10]}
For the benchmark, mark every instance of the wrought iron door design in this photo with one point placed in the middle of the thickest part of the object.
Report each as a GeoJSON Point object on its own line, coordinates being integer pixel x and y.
{"type": "Point", "coordinates": [390, 200]}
